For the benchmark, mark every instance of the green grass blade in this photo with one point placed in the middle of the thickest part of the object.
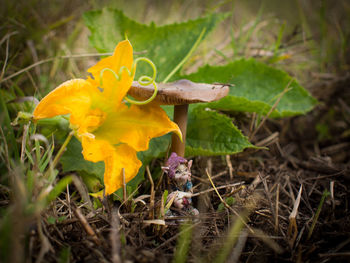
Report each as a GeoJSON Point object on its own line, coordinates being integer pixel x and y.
{"type": "Point", "coordinates": [319, 208]}
{"type": "Point", "coordinates": [58, 189]}
{"type": "Point", "coordinates": [183, 243]}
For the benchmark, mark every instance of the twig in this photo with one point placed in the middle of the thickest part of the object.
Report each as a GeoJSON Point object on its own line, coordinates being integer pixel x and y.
{"type": "Point", "coordinates": [6, 57]}
{"type": "Point", "coordinates": [124, 185]}
{"type": "Point", "coordinates": [331, 186]}
{"type": "Point", "coordinates": [277, 206]}
{"type": "Point", "coordinates": [338, 254]}
{"type": "Point", "coordinates": [53, 59]}
{"type": "Point", "coordinates": [268, 195]}
{"type": "Point", "coordinates": [162, 212]}
{"type": "Point", "coordinates": [158, 222]}
{"type": "Point", "coordinates": [151, 204]}
{"type": "Point", "coordinates": [115, 238]}
{"type": "Point", "coordinates": [229, 165]}
{"type": "Point", "coordinates": [30, 44]}
{"type": "Point", "coordinates": [225, 204]}
{"type": "Point", "coordinates": [206, 181]}
{"type": "Point", "coordinates": [160, 180]}
{"type": "Point", "coordinates": [252, 186]}
{"type": "Point", "coordinates": [88, 229]}
{"type": "Point", "coordinates": [69, 203]}
{"type": "Point", "coordinates": [7, 36]}
{"type": "Point", "coordinates": [123, 203]}
{"type": "Point", "coordinates": [252, 123]}
{"type": "Point", "coordinates": [268, 140]}
{"type": "Point", "coordinates": [218, 187]}
{"type": "Point", "coordinates": [26, 69]}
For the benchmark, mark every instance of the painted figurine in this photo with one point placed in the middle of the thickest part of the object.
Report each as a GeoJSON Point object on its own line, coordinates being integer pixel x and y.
{"type": "Point", "coordinates": [178, 170]}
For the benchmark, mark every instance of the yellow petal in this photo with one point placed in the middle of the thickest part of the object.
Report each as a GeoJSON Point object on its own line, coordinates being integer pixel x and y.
{"type": "Point", "coordinates": [136, 125]}
{"type": "Point", "coordinates": [115, 158]}
{"type": "Point", "coordinates": [124, 157]}
{"type": "Point", "coordinates": [114, 89]}
{"type": "Point", "coordinates": [96, 150]}
{"type": "Point", "coordinates": [71, 97]}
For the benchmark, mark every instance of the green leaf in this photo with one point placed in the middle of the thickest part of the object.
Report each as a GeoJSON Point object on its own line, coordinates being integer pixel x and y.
{"type": "Point", "coordinates": [73, 160]}
{"type": "Point", "coordinates": [51, 220]}
{"type": "Point", "coordinates": [165, 45]}
{"type": "Point", "coordinates": [212, 133]}
{"type": "Point", "coordinates": [157, 148]}
{"type": "Point", "coordinates": [256, 88]}
{"type": "Point", "coordinates": [229, 200]}
{"type": "Point", "coordinates": [221, 136]}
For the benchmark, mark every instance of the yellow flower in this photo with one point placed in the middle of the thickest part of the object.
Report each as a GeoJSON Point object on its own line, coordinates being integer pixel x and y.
{"type": "Point", "coordinates": [109, 130]}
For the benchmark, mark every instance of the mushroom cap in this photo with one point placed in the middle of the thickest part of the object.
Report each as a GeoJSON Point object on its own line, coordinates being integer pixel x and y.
{"type": "Point", "coordinates": [180, 92]}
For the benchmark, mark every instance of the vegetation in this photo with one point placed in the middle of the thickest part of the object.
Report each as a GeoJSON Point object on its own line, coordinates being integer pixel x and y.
{"type": "Point", "coordinates": [270, 172]}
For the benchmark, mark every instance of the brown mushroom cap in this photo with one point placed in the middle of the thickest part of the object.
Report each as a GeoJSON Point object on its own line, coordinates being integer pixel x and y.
{"type": "Point", "coordinates": [180, 92]}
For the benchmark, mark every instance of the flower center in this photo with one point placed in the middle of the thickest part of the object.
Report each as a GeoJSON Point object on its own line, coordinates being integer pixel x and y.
{"type": "Point", "coordinates": [94, 119]}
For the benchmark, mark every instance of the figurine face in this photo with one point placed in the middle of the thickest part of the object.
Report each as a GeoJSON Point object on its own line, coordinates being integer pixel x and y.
{"type": "Point", "coordinates": [178, 169]}
{"type": "Point", "coordinates": [182, 174]}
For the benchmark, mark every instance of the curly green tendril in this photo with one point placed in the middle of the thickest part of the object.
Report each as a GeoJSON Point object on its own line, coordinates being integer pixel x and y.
{"type": "Point", "coordinates": [143, 80]}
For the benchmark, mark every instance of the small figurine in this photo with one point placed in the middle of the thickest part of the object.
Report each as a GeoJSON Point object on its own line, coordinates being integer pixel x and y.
{"type": "Point", "coordinates": [179, 173]}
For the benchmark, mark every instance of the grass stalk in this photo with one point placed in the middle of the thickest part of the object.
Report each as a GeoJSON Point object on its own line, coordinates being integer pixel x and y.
{"type": "Point", "coordinates": [182, 62]}
{"type": "Point", "coordinates": [183, 243]}
{"type": "Point", "coordinates": [232, 237]}
{"type": "Point", "coordinates": [62, 149]}
{"type": "Point", "coordinates": [319, 208]}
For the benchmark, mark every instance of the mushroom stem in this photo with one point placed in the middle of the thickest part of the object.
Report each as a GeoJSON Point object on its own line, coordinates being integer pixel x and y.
{"type": "Point", "coordinates": [180, 118]}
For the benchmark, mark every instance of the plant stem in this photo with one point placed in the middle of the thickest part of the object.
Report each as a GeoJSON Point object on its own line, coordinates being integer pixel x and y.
{"type": "Point", "coordinates": [195, 45]}
{"type": "Point", "coordinates": [62, 149]}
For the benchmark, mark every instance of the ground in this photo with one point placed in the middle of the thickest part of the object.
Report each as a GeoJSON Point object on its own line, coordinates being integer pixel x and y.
{"type": "Point", "coordinates": [291, 198]}
{"type": "Point", "coordinates": [297, 160]}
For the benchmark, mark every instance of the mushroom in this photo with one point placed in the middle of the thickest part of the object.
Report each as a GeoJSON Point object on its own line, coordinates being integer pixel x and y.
{"type": "Point", "coordinates": [180, 93]}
